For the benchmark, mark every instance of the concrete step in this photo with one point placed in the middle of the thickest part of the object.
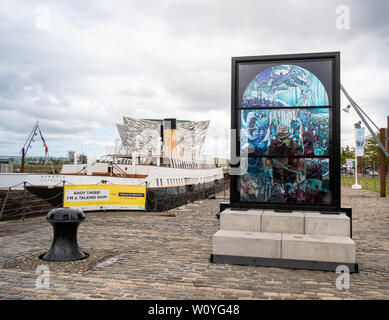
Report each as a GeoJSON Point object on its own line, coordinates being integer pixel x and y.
{"type": "Point", "coordinates": [327, 224]}
{"type": "Point", "coordinates": [284, 246]}
{"type": "Point", "coordinates": [318, 248]}
{"type": "Point", "coordinates": [249, 220]}
{"type": "Point", "coordinates": [285, 222]}
{"type": "Point", "coordinates": [248, 244]}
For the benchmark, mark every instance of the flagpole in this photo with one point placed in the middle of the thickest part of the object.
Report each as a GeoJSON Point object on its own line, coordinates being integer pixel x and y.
{"type": "Point", "coordinates": [44, 144]}
{"type": "Point", "coordinates": [356, 170]}
{"type": "Point", "coordinates": [356, 185]}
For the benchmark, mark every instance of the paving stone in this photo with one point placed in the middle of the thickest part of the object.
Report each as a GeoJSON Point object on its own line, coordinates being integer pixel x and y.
{"type": "Point", "coordinates": [167, 257]}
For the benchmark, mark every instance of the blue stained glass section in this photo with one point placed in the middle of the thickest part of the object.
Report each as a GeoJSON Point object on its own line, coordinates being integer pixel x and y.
{"type": "Point", "coordinates": [285, 132]}
{"type": "Point", "coordinates": [286, 180]}
{"type": "Point", "coordinates": [285, 85]}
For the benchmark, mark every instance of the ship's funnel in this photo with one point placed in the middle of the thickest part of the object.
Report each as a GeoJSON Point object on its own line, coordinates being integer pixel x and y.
{"type": "Point", "coordinates": [75, 159]}
{"type": "Point", "coordinates": [170, 137]}
{"type": "Point", "coordinates": [91, 161]}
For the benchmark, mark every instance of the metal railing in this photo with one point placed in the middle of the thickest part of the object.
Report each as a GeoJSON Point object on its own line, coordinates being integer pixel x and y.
{"type": "Point", "coordinates": [121, 172]}
{"type": "Point", "coordinates": [16, 203]}
{"type": "Point", "coordinates": [367, 183]}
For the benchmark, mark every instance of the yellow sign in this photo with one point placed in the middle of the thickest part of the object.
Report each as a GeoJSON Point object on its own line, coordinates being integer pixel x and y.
{"type": "Point", "coordinates": [95, 197]}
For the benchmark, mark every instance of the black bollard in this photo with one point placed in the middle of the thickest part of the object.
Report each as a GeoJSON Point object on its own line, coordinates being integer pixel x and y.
{"type": "Point", "coordinates": [65, 222]}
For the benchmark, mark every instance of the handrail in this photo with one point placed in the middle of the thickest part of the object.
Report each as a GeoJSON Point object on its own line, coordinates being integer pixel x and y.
{"type": "Point", "coordinates": [121, 171]}
{"type": "Point", "coordinates": [5, 201]}
{"type": "Point", "coordinates": [19, 205]}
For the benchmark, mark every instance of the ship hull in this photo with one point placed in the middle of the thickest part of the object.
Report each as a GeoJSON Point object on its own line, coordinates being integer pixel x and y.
{"type": "Point", "coordinates": [166, 198]}
{"type": "Point", "coordinates": [158, 199]}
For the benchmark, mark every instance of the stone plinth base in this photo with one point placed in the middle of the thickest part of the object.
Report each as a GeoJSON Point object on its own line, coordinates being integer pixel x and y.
{"type": "Point", "coordinates": [282, 263]}
{"type": "Point", "coordinates": [303, 240]}
{"type": "Point", "coordinates": [250, 244]}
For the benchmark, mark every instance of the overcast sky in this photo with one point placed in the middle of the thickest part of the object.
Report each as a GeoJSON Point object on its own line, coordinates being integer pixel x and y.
{"type": "Point", "coordinates": [78, 67]}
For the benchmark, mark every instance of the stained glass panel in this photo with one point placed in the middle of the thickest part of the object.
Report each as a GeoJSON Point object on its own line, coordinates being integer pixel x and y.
{"type": "Point", "coordinates": [285, 132]}
{"type": "Point", "coordinates": [286, 180]}
{"type": "Point", "coordinates": [285, 85]}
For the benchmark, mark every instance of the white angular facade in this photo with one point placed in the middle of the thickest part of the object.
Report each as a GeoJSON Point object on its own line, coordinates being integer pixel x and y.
{"type": "Point", "coordinates": [148, 136]}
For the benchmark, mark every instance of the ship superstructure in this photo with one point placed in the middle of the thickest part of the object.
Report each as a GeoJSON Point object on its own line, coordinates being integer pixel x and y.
{"type": "Point", "coordinates": [162, 155]}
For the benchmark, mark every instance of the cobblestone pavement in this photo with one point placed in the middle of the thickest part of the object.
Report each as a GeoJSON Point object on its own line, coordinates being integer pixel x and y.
{"type": "Point", "coordinates": [166, 256]}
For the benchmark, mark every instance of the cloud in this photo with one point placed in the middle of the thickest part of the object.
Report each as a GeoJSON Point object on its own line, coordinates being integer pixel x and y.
{"type": "Point", "coordinates": [100, 60]}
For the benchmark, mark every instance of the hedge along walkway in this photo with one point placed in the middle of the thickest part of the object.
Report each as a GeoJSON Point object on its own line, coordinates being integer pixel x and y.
{"type": "Point", "coordinates": [166, 256]}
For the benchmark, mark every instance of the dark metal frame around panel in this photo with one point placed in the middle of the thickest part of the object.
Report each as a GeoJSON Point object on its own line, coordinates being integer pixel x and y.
{"type": "Point", "coordinates": [334, 152]}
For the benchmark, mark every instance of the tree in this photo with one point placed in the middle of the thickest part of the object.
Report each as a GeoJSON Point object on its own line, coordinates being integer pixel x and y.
{"type": "Point", "coordinates": [346, 153]}
{"type": "Point", "coordinates": [29, 160]}
{"type": "Point", "coordinates": [372, 151]}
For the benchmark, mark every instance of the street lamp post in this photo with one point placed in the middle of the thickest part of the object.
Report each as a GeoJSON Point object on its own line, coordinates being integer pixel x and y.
{"type": "Point", "coordinates": [356, 185]}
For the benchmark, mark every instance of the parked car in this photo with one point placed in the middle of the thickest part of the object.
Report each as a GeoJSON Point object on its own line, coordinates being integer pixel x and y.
{"type": "Point", "coordinates": [373, 173]}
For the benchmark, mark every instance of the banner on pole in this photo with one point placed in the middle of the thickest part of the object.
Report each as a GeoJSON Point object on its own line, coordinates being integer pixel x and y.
{"type": "Point", "coordinates": [360, 142]}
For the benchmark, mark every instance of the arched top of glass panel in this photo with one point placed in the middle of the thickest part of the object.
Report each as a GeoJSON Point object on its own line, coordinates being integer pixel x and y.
{"type": "Point", "coordinates": [285, 86]}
